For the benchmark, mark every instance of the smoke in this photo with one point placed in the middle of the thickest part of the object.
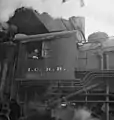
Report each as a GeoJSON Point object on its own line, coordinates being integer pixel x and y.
{"type": "Point", "coordinates": [7, 8]}
{"type": "Point", "coordinates": [83, 114]}
{"type": "Point", "coordinates": [98, 13]}
{"type": "Point", "coordinates": [56, 8]}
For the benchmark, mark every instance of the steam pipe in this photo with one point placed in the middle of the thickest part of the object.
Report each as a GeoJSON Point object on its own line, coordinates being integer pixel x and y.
{"type": "Point", "coordinates": [107, 88]}
{"type": "Point", "coordinates": [72, 94]}
{"type": "Point", "coordinates": [105, 65]}
{"type": "Point", "coordinates": [107, 99]}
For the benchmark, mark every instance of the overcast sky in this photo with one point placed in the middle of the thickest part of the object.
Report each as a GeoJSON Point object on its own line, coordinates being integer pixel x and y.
{"type": "Point", "coordinates": [99, 14]}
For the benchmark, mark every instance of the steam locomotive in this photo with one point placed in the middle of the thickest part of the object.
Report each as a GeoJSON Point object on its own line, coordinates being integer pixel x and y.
{"type": "Point", "coordinates": [60, 68]}
{"type": "Point", "coordinates": [53, 68]}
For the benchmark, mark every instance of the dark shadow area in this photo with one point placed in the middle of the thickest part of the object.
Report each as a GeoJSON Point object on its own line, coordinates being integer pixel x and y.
{"type": "Point", "coordinates": [27, 22]}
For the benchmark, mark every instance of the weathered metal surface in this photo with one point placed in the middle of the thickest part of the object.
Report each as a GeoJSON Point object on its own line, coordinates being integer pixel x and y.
{"type": "Point", "coordinates": [94, 55]}
{"type": "Point", "coordinates": [51, 24]}
{"type": "Point", "coordinates": [54, 25]}
{"type": "Point", "coordinates": [59, 64]}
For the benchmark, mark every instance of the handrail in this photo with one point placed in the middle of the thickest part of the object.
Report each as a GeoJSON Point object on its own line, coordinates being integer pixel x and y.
{"type": "Point", "coordinates": [77, 92]}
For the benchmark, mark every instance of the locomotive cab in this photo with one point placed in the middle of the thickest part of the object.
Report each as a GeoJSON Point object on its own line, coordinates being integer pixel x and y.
{"type": "Point", "coordinates": [42, 61]}
{"type": "Point", "coordinates": [47, 57]}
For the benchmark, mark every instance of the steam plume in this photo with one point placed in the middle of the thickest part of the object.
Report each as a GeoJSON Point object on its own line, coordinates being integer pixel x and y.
{"type": "Point", "coordinates": [81, 113]}
{"type": "Point", "coordinates": [99, 13]}
{"type": "Point", "coordinates": [53, 7]}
